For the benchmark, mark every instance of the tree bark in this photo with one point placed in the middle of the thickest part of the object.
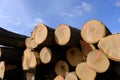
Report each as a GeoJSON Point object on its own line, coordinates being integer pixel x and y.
{"type": "Point", "coordinates": [11, 39]}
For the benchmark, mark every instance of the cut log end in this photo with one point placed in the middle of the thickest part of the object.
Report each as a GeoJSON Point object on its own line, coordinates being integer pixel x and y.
{"type": "Point", "coordinates": [2, 69]}
{"type": "Point", "coordinates": [45, 55]}
{"type": "Point", "coordinates": [30, 43]}
{"type": "Point", "coordinates": [74, 56]}
{"type": "Point", "coordinates": [110, 45]}
{"type": "Point", "coordinates": [29, 60]}
{"type": "Point", "coordinates": [59, 77]}
{"type": "Point", "coordinates": [98, 61]}
{"type": "Point", "coordinates": [62, 34]}
{"type": "Point", "coordinates": [93, 31]}
{"type": "Point", "coordinates": [84, 72]}
{"type": "Point", "coordinates": [61, 68]}
{"type": "Point", "coordinates": [41, 33]}
{"type": "Point", "coordinates": [71, 76]}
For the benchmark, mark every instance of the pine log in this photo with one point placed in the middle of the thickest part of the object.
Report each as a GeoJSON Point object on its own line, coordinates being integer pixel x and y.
{"type": "Point", "coordinates": [74, 56]}
{"type": "Point", "coordinates": [2, 69]}
{"type": "Point", "coordinates": [10, 55]}
{"type": "Point", "coordinates": [59, 77]}
{"type": "Point", "coordinates": [52, 54]}
{"type": "Point", "coordinates": [45, 55]}
{"type": "Point", "coordinates": [61, 68]}
{"type": "Point", "coordinates": [93, 30]}
{"type": "Point", "coordinates": [29, 60]}
{"type": "Point", "coordinates": [98, 61]}
{"type": "Point", "coordinates": [84, 72]}
{"type": "Point", "coordinates": [30, 43]}
{"type": "Point", "coordinates": [11, 39]}
{"type": "Point", "coordinates": [66, 35]}
{"type": "Point", "coordinates": [110, 45]}
{"type": "Point", "coordinates": [71, 76]}
{"type": "Point", "coordinates": [44, 35]}
{"type": "Point", "coordinates": [86, 47]}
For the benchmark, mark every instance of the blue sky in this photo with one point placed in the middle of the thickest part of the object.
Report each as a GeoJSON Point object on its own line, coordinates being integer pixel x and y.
{"type": "Point", "coordinates": [21, 16]}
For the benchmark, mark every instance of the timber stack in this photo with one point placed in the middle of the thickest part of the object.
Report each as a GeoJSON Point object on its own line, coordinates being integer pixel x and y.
{"type": "Point", "coordinates": [64, 53]}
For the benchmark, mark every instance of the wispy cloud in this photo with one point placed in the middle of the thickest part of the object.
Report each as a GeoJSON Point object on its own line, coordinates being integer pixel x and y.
{"type": "Point", "coordinates": [35, 22]}
{"type": "Point", "coordinates": [10, 20]}
{"type": "Point", "coordinates": [117, 3]}
{"type": "Point", "coordinates": [78, 10]}
{"type": "Point", "coordinates": [118, 20]}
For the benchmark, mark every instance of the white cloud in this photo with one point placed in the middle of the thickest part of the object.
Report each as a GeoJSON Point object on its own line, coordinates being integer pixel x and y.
{"type": "Point", "coordinates": [10, 20]}
{"type": "Point", "coordinates": [78, 10]}
{"type": "Point", "coordinates": [35, 22]}
{"type": "Point", "coordinates": [117, 3]}
{"type": "Point", "coordinates": [118, 20]}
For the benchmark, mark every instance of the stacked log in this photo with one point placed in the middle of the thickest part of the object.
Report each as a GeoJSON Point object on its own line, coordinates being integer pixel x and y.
{"type": "Point", "coordinates": [64, 53]}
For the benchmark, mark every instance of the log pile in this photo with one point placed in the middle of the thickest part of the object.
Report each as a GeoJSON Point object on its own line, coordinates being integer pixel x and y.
{"type": "Point", "coordinates": [64, 53]}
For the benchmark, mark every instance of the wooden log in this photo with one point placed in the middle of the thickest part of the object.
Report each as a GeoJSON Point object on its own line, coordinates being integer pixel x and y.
{"type": "Point", "coordinates": [29, 60]}
{"type": "Point", "coordinates": [110, 45]}
{"type": "Point", "coordinates": [71, 76]}
{"type": "Point", "coordinates": [52, 54]}
{"type": "Point", "coordinates": [93, 30]}
{"type": "Point", "coordinates": [11, 39]}
{"type": "Point", "coordinates": [44, 35]}
{"type": "Point", "coordinates": [98, 61]}
{"type": "Point", "coordinates": [30, 43]}
{"type": "Point", "coordinates": [59, 77]}
{"type": "Point", "coordinates": [66, 35]}
{"type": "Point", "coordinates": [2, 69]}
{"type": "Point", "coordinates": [33, 32]}
{"type": "Point", "coordinates": [86, 47]}
{"type": "Point", "coordinates": [45, 55]}
{"type": "Point", "coordinates": [84, 72]}
{"type": "Point", "coordinates": [61, 68]}
{"type": "Point", "coordinates": [10, 55]}
{"type": "Point", "coordinates": [74, 56]}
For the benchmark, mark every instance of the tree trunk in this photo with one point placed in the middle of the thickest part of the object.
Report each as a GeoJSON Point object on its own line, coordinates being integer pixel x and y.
{"type": "Point", "coordinates": [66, 35]}
{"type": "Point", "coordinates": [93, 31]}
{"type": "Point", "coordinates": [11, 39]}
